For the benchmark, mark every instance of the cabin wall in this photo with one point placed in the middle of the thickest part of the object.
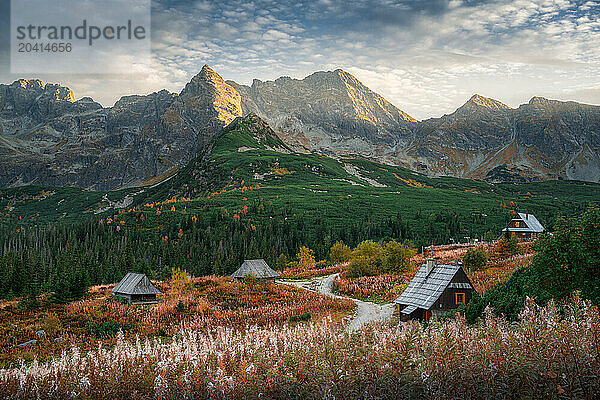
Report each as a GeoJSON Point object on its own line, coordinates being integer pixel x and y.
{"type": "Point", "coordinates": [143, 298]}
{"type": "Point", "coordinates": [259, 280]}
{"type": "Point", "coordinates": [524, 235]}
{"type": "Point", "coordinates": [517, 223]}
{"type": "Point", "coordinates": [447, 300]}
{"type": "Point", "coordinates": [138, 298]}
{"type": "Point", "coordinates": [415, 315]}
{"type": "Point", "coordinates": [123, 295]}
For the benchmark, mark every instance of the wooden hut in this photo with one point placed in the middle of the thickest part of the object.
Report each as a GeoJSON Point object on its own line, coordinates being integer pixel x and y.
{"type": "Point", "coordinates": [434, 290]}
{"type": "Point", "coordinates": [259, 269]}
{"type": "Point", "coordinates": [136, 288]}
{"type": "Point", "coordinates": [524, 227]}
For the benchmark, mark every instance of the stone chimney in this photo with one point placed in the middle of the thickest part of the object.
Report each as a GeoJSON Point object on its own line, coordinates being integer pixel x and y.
{"type": "Point", "coordinates": [430, 265]}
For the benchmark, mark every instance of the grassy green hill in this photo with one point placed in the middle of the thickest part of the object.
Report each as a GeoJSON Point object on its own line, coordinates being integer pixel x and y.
{"type": "Point", "coordinates": [248, 154]}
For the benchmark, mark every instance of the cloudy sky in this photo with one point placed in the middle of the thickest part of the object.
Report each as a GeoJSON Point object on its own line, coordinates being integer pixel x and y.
{"type": "Point", "coordinates": [426, 56]}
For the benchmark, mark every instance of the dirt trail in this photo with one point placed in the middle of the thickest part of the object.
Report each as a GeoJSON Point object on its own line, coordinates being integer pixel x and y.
{"type": "Point", "coordinates": [366, 312]}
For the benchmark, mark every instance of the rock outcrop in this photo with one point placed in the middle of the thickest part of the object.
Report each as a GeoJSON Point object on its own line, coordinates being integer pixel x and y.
{"type": "Point", "coordinates": [328, 112]}
{"type": "Point", "coordinates": [48, 138]}
{"type": "Point", "coordinates": [332, 112]}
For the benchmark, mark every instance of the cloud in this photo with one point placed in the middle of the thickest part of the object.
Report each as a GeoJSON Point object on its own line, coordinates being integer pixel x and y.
{"type": "Point", "coordinates": [426, 56]}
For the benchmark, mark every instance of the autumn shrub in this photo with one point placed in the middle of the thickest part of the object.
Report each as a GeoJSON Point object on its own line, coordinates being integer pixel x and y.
{"type": "Point", "coordinates": [306, 258]}
{"type": "Point", "coordinates": [397, 257]}
{"type": "Point", "coordinates": [508, 245]}
{"type": "Point", "coordinates": [51, 324]}
{"type": "Point", "coordinates": [366, 260]}
{"type": "Point", "coordinates": [340, 253]}
{"type": "Point", "coordinates": [180, 281]}
{"type": "Point", "coordinates": [371, 258]}
{"type": "Point", "coordinates": [475, 259]}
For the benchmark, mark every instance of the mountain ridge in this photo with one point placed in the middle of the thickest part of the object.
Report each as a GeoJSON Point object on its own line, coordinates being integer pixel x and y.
{"type": "Point", "coordinates": [48, 137]}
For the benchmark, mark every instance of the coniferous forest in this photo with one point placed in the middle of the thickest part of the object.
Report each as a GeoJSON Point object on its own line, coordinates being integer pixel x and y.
{"type": "Point", "coordinates": [66, 258]}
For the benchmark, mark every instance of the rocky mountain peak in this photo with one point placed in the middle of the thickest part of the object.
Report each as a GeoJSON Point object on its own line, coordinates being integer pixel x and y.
{"type": "Point", "coordinates": [30, 84]}
{"type": "Point", "coordinates": [208, 75]}
{"type": "Point", "coordinates": [59, 93]}
{"type": "Point", "coordinates": [50, 91]}
{"type": "Point", "coordinates": [348, 77]}
{"type": "Point", "coordinates": [486, 102]}
{"type": "Point", "coordinates": [539, 101]}
{"type": "Point", "coordinates": [205, 78]}
{"type": "Point", "coordinates": [208, 90]}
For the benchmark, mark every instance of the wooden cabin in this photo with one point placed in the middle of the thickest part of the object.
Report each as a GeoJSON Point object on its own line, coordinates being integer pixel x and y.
{"type": "Point", "coordinates": [259, 269]}
{"type": "Point", "coordinates": [434, 290]}
{"type": "Point", "coordinates": [524, 227]}
{"type": "Point", "coordinates": [137, 289]}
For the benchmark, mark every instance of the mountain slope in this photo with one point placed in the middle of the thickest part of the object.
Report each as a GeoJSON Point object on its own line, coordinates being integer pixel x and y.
{"type": "Point", "coordinates": [248, 153]}
{"type": "Point", "coordinates": [247, 170]}
{"type": "Point", "coordinates": [328, 111]}
{"type": "Point", "coordinates": [333, 113]}
{"type": "Point", "coordinates": [47, 138]}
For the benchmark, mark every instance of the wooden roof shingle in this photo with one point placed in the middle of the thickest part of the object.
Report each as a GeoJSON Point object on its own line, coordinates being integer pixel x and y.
{"type": "Point", "coordinates": [257, 268]}
{"type": "Point", "coordinates": [533, 225]}
{"type": "Point", "coordinates": [134, 283]}
{"type": "Point", "coordinates": [424, 290]}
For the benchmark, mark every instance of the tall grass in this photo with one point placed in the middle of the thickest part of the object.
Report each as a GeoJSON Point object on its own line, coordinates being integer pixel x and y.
{"type": "Point", "coordinates": [551, 352]}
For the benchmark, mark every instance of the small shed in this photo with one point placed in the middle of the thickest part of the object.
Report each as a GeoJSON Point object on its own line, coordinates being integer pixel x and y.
{"type": "Point", "coordinates": [256, 268]}
{"type": "Point", "coordinates": [524, 227]}
{"type": "Point", "coordinates": [434, 290]}
{"type": "Point", "coordinates": [136, 288]}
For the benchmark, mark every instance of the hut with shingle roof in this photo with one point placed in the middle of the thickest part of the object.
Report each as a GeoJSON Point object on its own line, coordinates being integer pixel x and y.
{"type": "Point", "coordinates": [434, 290]}
{"type": "Point", "coordinates": [136, 288]}
{"type": "Point", "coordinates": [259, 269]}
{"type": "Point", "coordinates": [524, 226]}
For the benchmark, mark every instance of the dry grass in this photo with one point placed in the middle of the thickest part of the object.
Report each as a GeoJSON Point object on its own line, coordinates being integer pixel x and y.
{"type": "Point", "coordinates": [549, 353]}
{"type": "Point", "coordinates": [212, 302]}
{"type": "Point", "coordinates": [300, 273]}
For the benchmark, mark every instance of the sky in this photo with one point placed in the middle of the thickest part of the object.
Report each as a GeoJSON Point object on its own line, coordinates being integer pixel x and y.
{"type": "Point", "coordinates": [427, 57]}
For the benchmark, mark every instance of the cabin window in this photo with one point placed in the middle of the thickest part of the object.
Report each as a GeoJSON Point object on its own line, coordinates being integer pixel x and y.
{"type": "Point", "coordinates": [460, 298]}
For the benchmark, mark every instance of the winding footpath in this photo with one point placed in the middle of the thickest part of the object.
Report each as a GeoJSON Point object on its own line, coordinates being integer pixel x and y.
{"type": "Point", "coordinates": [366, 312]}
